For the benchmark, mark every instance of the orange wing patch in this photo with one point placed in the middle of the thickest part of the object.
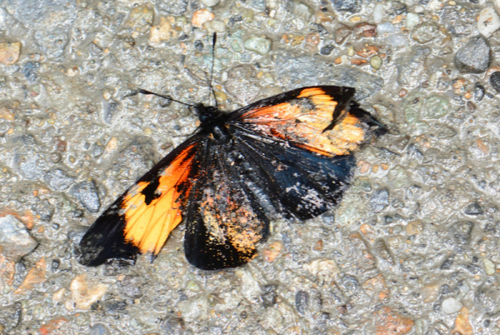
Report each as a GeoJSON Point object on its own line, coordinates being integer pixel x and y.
{"type": "Point", "coordinates": [148, 225]}
{"type": "Point", "coordinates": [303, 121]}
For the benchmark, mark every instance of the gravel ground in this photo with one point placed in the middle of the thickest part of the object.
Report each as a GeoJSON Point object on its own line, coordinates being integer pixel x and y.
{"type": "Point", "coordinates": [413, 247]}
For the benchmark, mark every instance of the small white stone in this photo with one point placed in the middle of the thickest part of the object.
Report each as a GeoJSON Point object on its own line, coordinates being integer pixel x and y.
{"type": "Point", "coordinates": [397, 40]}
{"type": "Point", "coordinates": [489, 267]}
{"type": "Point", "coordinates": [451, 305]}
{"type": "Point", "coordinates": [210, 3]}
{"type": "Point", "coordinates": [386, 28]}
{"type": "Point", "coordinates": [250, 288]}
{"type": "Point", "coordinates": [412, 20]}
{"type": "Point", "coordinates": [15, 240]}
{"type": "Point", "coordinates": [194, 308]}
{"type": "Point", "coordinates": [378, 13]}
{"type": "Point", "coordinates": [419, 9]}
{"type": "Point", "coordinates": [488, 22]}
{"type": "Point", "coordinates": [258, 44]}
{"type": "Point", "coordinates": [215, 26]}
{"type": "Point", "coordinates": [435, 5]}
{"type": "Point", "coordinates": [325, 269]}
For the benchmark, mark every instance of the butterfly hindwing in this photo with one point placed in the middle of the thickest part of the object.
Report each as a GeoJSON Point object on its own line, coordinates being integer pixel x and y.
{"type": "Point", "coordinates": [143, 217]}
{"type": "Point", "coordinates": [301, 183]}
{"type": "Point", "coordinates": [225, 219]}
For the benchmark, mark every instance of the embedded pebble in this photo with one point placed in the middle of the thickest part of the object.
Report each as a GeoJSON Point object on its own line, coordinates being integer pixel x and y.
{"type": "Point", "coordinates": [161, 32]}
{"type": "Point", "coordinates": [326, 270]}
{"type": "Point", "coordinates": [15, 240]}
{"type": "Point", "coordinates": [463, 325]}
{"type": "Point", "coordinates": [411, 20]}
{"type": "Point", "coordinates": [495, 81]}
{"type": "Point", "coordinates": [462, 232]}
{"type": "Point", "coordinates": [58, 180]}
{"type": "Point", "coordinates": [436, 106]}
{"type": "Point", "coordinates": [489, 267]}
{"type": "Point", "coordinates": [99, 329]}
{"type": "Point", "coordinates": [346, 5]}
{"type": "Point", "coordinates": [9, 53]}
{"type": "Point", "coordinates": [399, 8]}
{"type": "Point", "coordinates": [201, 16]}
{"type": "Point", "coordinates": [194, 309]}
{"type": "Point", "coordinates": [480, 91]}
{"type": "Point", "coordinates": [302, 11]}
{"type": "Point", "coordinates": [36, 275]}
{"type": "Point", "coordinates": [473, 209]}
{"type": "Point", "coordinates": [386, 28]}
{"type": "Point", "coordinates": [379, 200]}
{"type": "Point", "coordinates": [114, 306]}
{"type": "Point", "coordinates": [378, 13]}
{"type": "Point", "coordinates": [414, 227]}
{"type": "Point", "coordinates": [376, 286]}
{"type": "Point", "coordinates": [376, 62]}
{"type": "Point", "coordinates": [341, 34]}
{"type": "Point", "coordinates": [425, 33]}
{"type": "Point", "coordinates": [141, 18]}
{"type": "Point", "coordinates": [451, 305]}
{"type": "Point", "coordinates": [215, 26]}
{"type": "Point", "coordinates": [272, 251]}
{"type": "Point", "coordinates": [326, 50]}
{"type": "Point", "coordinates": [488, 22]}
{"type": "Point", "coordinates": [86, 193]}
{"type": "Point", "coordinates": [269, 295]}
{"type": "Point", "coordinates": [430, 292]}
{"type": "Point", "coordinates": [250, 288]}
{"type": "Point", "coordinates": [210, 3]}
{"type": "Point", "coordinates": [30, 71]}
{"type": "Point", "coordinates": [301, 302]}
{"type": "Point", "coordinates": [260, 45]}
{"type": "Point", "coordinates": [474, 57]}
{"type": "Point", "coordinates": [176, 7]}
{"type": "Point", "coordinates": [84, 294]}
{"type": "Point", "coordinates": [388, 322]}
{"type": "Point", "coordinates": [396, 40]}
{"type": "Point", "coordinates": [365, 30]}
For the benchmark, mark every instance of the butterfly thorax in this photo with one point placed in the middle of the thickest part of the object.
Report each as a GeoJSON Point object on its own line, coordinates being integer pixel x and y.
{"type": "Point", "coordinates": [213, 121]}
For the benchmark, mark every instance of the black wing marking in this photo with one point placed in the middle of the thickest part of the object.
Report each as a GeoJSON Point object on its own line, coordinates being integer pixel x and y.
{"type": "Point", "coordinates": [297, 181]}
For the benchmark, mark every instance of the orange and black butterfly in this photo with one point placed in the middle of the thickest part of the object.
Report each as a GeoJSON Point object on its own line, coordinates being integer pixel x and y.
{"type": "Point", "coordinates": [290, 154]}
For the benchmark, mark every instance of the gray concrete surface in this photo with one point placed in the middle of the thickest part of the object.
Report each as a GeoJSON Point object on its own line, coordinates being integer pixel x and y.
{"type": "Point", "coordinates": [413, 247]}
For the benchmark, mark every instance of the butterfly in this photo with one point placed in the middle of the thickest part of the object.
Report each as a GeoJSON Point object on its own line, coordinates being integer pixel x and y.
{"type": "Point", "coordinates": [288, 155]}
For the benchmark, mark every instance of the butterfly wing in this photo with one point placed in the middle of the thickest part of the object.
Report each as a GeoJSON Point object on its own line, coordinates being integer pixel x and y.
{"type": "Point", "coordinates": [143, 217]}
{"type": "Point", "coordinates": [301, 143]}
{"type": "Point", "coordinates": [226, 217]}
{"type": "Point", "coordinates": [298, 182]}
{"type": "Point", "coordinates": [321, 119]}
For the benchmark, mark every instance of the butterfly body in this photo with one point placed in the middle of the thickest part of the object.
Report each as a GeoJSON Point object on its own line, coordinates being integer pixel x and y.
{"type": "Point", "coordinates": [289, 155]}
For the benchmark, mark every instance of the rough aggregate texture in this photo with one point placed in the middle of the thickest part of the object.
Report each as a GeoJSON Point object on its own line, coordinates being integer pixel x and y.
{"type": "Point", "coordinates": [414, 246]}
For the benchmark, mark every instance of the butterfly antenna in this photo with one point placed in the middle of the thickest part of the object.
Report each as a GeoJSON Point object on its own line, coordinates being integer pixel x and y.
{"type": "Point", "coordinates": [167, 97]}
{"type": "Point", "coordinates": [214, 41]}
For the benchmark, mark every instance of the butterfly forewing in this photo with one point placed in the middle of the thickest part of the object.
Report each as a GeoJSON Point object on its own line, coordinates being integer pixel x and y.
{"type": "Point", "coordinates": [313, 118]}
{"type": "Point", "coordinates": [143, 217]}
